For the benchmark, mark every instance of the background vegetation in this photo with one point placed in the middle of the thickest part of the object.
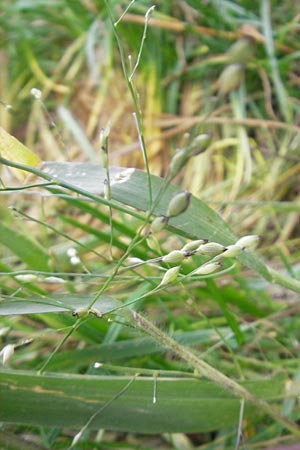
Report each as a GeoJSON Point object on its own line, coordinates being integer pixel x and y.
{"type": "Point", "coordinates": [243, 322]}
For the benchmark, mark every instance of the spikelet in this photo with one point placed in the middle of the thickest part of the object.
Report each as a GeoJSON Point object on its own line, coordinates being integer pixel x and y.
{"type": "Point", "coordinates": [174, 257]}
{"type": "Point", "coordinates": [170, 275]}
{"type": "Point", "coordinates": [178, 204]}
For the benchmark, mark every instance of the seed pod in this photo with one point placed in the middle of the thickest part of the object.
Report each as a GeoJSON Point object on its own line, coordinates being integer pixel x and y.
{"type": "Point", "coordinates": [208, 268]}
{"type": "Point", "coordinates": [199, 144]}
{"type": "Point", "coordinates": [210, 249]}
{"type": "Point", "coordinates": [231, 251]}
{"type": "Point", "coordinates": [174, 257]}
{"type": "Point", "coordinates": [7, 352]}
{"type": "Point", "coordinates": [231, 78]}
{"type": "Point", "coordinates": [134, 261]}
{"type": "Point", "coordinates": [54, 280]}
{"type": "Point", "coordinates": [153, 243]}
{"type": "Point", "coordinates": [170, 275]}
{"type": "Point", "coordinates": [177, 162]}
{"type": "Point", "coordinates": [193, 245]}
{"type": "Point", "coordinates": [242, 51]}
{"type": "Point", "coordinates": [26, 278]}
{"type": "Point", "coordinates": [158, 224]}
{"type": "Point", "coordinates": [178, 204]}
{"type": "Point", "coordinates": [249, 242]}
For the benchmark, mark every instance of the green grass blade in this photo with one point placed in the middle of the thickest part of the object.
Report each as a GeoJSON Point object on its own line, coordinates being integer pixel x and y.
{"type": "Point", "coordinates": [59, 303]}
{"type": "Point", "coordinates": [183, 405]}
{"type": "Point", "coordinates": [27, 250]}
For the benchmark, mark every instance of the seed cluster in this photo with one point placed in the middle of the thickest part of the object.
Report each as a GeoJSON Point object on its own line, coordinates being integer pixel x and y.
{"type": "Point", "coordinates": [213, 250]}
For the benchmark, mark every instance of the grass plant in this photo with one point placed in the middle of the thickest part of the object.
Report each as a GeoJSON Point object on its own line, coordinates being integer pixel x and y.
{"type": "Point", "coordinates": [133, 315]}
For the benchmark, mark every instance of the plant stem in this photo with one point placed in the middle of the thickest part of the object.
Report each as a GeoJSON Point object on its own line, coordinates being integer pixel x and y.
{"type": "Point", "coordinates": [209, 372]}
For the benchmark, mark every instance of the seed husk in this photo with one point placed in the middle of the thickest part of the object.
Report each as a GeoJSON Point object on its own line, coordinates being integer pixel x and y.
{"type": "Point", "coordinates": [208, 268]}
{"type": "Point", "coordinates": [199, 144]}
{"type": "Point", "coordinates": [158, 224]}
{"type": "Point", "coordinates": [174, 257]}
{"type": "Point", "coordinates": [249, 242]}
{"type": "Point", "coordinates": [26, 278]}
{"type": "Point", "coordinates": [170, 275]}
{"type": "Point", "coordinates": [177, 163]}
{"type": "Point", "coordinates": [193, 245]}
{"type": "Point", "coordinates": [178, 204]}
{"type": "Point", "coordinates": [231, 78]}
{"type": "Point", "coordinates": [210, 249]}
{"type": "Point", "coordinates": [242, 51]}
{"type": "Point", "coordinates": [231, 251]}
{"type": "Point", "coordinates": [7, 352]}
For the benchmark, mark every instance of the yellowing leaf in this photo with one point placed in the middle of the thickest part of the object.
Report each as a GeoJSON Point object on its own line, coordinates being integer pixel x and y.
{"type": "Point", "coordinates": [14, 150]}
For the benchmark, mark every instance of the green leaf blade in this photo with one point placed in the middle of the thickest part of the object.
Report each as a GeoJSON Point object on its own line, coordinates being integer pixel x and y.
{"type": "Point", "coordinates": [29, 252]}
{"type": "Point", "coordinates": [183, 405]}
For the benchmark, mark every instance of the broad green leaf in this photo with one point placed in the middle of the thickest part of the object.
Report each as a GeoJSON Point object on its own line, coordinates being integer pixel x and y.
{"type": "Point", "coordinates": [14, 150]}
{"type": "Point", "coordinates": [29, 252]}
{"type": "Point", "coordinates": [129, 186]}
{"type": "Point", "coordinates": [124, 403]}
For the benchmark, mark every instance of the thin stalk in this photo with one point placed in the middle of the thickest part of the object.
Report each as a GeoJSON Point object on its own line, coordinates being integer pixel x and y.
{"type": "Point", "coordinates": [131, 87]}
{"type": "Point", "coordinates": [28, 186]}
{"type": "Point", "coordinates": [204, 369]}
{"type": "Point", "coordinates": [56, 231]}
{"type": "Point", "coordinates": [101, 409]}
{"type": "Point", "coordinates": [270, 50]}
{"type": "Point", "coordinates": [74, 327]}
{"type": "Point", "coordinates": [240, 427]}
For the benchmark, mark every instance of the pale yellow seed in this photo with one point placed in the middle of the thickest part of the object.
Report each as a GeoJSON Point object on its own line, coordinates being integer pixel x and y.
{"type": "Point", "coordinates": [178, 204]}
{"type": "Point", "coordinates": [210, 249]}
{"type": "Point", "coordinates": [206, 269]}
{"type": "Point", "coordinates": [7, 352]}
{"type": "Point", "coordinates": [158, 224]}
{"type": "Point", "coordinates": [249, 242]}
{"type": "Point", "coordinates": [170, 275]}
{"type": "Point", "coordinates": [193, 245]}
{"type": "Point", "coordinates": [231, 251]}
{"type": "Point", "coordinates": [231, 78]}
{"type": "Point", "coordinates": [174, 257]}
{"type": "Point", "coordinates": [26, 278]}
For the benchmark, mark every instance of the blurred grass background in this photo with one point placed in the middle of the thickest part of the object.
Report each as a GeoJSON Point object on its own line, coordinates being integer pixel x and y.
{"type": "Point", "coordinates": [250, 173]}
{"type": "Point", "coordinates": [67, 49]}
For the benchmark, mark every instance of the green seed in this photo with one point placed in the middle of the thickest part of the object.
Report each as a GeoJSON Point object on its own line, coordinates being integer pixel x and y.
{"type": "Point", "coordinates": [158, 224]}
{"type": "Point", "coordinates": [249, 242]}
{"type": "Point", "coordinates": [178, 204]}
{"type": "Point", "coordinates": [206, 269]}
{"type": "Point", "coordinates": [199, 144]}
{"type": "Point", "coordinates": [242, 51]}
{"type": "Point", "coordinates": [231, 78]}
{"type": "Point", "coordinates": [174, 257]}
{"type": "Point", "coordinates": [231, 251]}
{"type": "Point", "coordinates": [153, 243]}
{"type": "Point", "coordinates": [177, 162]}
{"type": "Point", "coordinates": [170, 275]}
{"type": "Point", "coordinates": [210, 249]}
{"type": "Point", "coordinates": [193, 245]}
